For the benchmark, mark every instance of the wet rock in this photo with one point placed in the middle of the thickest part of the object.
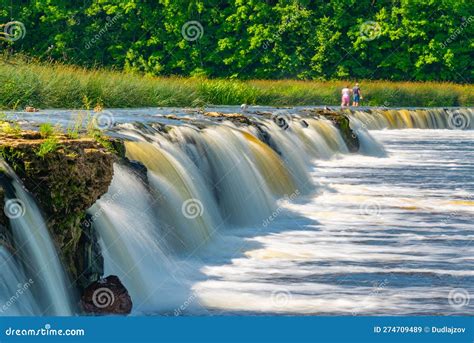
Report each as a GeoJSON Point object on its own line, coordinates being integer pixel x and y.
{"type": "Point", "coordinates": [342, 123]}
{"type": "Point", "coordinates": [65, 181]}
{"type": "Point", "coordinates": [6, 240]}
{"type": "Point", "coordinates": [3, 217]}
{"type": "Point", "coordinates": [89, 259]}
{"type": "Point", "coordinates": [6, 237]}
{"type": "Point", "coordinates": [31, 109]}
{"type": "Point", "coordinates": [106, 296]}
{"type": "Point", "coordinates": [236, 118]}
{"type": "Point", "coordinates": [266, 137]}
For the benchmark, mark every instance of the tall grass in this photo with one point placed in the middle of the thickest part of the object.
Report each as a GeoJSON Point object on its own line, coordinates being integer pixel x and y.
{"type": "Point", "coordinates": [60, 86]}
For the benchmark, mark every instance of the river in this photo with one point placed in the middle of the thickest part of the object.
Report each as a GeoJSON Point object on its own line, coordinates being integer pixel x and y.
{"type": "Point", "coordinates": [275, 217]}
{"type": "Point", "coordinates": [387, 236]}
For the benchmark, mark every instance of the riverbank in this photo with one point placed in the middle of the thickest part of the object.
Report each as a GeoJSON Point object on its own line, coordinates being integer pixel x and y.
{"type": "Point", "coordinates": [60, 86]}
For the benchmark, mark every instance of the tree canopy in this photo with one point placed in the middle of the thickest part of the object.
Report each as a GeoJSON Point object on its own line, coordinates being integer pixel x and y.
{"type": "Point", "coordinates": [272, 39]}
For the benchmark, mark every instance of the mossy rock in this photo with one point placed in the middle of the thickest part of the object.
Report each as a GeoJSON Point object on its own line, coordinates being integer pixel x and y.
{"type": "Point", "coordinates": [236, 118]}
{"type": "Point", "coordinates": [65, 182]}
{"type": "Point", "coordinates": [342, 123]}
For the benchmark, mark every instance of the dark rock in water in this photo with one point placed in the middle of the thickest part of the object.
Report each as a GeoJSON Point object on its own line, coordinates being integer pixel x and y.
{"type": "Point", "coordinates": [138, 168]}
{"type": "Point", "coordinates": [6, 191]}
{"type": "Point", "coordinates": [89, 257]}
{"type": "Point", "coordinates": [236, 118]}
{"type": "Point", "coordinates": [281, 121]}
{"type": "Point", "coordinates": [342, 123]}
{"type": "Point", "coordinates": [106, 296]}
{"type": "Point", "coordinates": [6, 240]}
{"type": "Point", "coordinates": [264, 135]}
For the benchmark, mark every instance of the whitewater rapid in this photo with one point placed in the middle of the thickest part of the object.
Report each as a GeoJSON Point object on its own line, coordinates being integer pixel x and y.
{"type": "Point", "coordinates": [224, 218]}
{"type": "Point", "coordinates": [387, 236]}
{"type": "Point", "coordinates": [309, 230]}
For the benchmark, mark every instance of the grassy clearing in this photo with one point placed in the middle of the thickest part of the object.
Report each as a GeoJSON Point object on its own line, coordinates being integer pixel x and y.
{"type": "Point", "coordinates": [60, 86]}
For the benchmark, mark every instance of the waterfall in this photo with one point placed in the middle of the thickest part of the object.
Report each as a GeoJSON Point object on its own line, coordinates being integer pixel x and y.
{"type": "Point", "coordinates": [237, 169]}
{"type": "Point", "coordinates": [368, 145]}
{"type": "Point", "coordinates": [193, 181]}
{"type": "Point", "coordinates": [134, 241]}
{"type": "Point", "coordinates": [228, 174]}
{"type": "Point", "coordinates": [37, 252]}
{"type": "Point", "coordinates": [197, 182]}
{"type": "Point", "coordinates": [16, 298]}
{"type": "Point", "coordinates": [436, 118]}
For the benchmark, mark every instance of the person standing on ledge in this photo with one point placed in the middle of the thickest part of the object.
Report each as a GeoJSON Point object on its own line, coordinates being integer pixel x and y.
{"type": "Point", "coordinates": [356, 94]}
{"type": "Point", "coordinates": [346, 97]}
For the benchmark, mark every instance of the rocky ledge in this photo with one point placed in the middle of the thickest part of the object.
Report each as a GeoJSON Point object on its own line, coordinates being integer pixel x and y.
{"type": "Point", "coordinates": [66, 176]}
{"type": "Point", "coordinates": [340, 120]}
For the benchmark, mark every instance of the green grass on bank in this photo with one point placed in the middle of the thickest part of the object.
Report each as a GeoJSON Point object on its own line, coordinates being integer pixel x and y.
{"type": "Point", "coordinates": [60, 86]}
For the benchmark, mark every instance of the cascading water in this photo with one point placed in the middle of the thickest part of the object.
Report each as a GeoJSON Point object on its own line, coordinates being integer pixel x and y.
{"type": "Point", "coordinates": [368, 145]}
{"type": "Point", "coordinates": [236, 174]}
{"type": "Point", "coordinates": [136, 244]}
{"type": "Point", "coordinates": [197, 183]}
{"type": "Point", "coordinates": [376, 119]}
{"type": "Point", "coordinates": [37, 252]}
{"type": "Point", "coordinates": [321, 139]}
{"type": "Point", "coordinates": [201, 221]}
{"type": "Point", "coordinates": [16, 298]}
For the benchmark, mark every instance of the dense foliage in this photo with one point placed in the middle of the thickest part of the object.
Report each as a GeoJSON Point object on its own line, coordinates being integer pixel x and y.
{"type": "Point", "coordinates": [325, 39]}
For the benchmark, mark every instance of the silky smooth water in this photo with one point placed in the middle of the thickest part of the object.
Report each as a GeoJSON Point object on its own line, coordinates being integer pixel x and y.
{"type": "Point", "coordinates": [42, 286]}
{"type": "Point", "coordinates": [387, 236]}
{"type": "Point", "coordinates": [264, 219]}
